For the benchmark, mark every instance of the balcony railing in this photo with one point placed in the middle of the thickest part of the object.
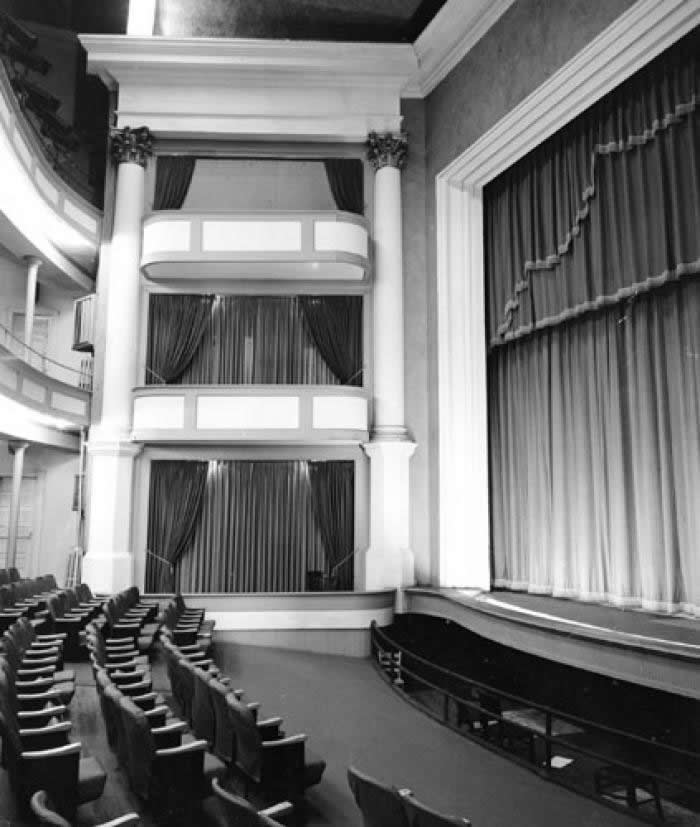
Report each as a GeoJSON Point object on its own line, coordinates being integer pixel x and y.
{"type": "Point", "coordinates": [75, 377]}
{"type": "Point", "coordinates": [251, 413]}
{"type": "Point", "coordinates": [256, 246]}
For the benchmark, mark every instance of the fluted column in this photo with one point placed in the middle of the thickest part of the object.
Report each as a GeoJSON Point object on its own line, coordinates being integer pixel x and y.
{"type": "Point", "coordinates": [108, 564]}
{"type": "Point", "coordinates": [389, 560]}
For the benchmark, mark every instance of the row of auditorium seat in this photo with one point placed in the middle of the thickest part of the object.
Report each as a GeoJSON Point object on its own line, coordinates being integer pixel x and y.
{"type": "Point", "coordinates": [382, 805]}
{"type": "Point", "coordinates": [35, 695]}
{"type": "Point", "coordinates": [269, 762]}
{"type": "Point", "coordinates": [9, 575]}
{"type": "Point", "coordinates": [168, 765]}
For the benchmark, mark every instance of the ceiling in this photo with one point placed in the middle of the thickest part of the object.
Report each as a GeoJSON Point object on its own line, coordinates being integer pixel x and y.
{"type": "Point", "coordinates": [379, 21]}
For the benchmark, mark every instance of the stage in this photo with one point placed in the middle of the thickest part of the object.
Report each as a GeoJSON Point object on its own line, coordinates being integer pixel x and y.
{"type": "Point", "coordinates": [659, 651]}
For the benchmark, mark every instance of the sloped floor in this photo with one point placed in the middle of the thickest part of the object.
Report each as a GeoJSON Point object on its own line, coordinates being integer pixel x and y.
{"type": "Point", "coordinates": [351, 717]}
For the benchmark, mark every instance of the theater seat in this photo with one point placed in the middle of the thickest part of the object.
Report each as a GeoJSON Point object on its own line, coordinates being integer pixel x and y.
{"type": "Point", "coordinates": [420, 815]}
{"type": "Point", "coordinates": [44, 810]}
{"type": "Point", "coordinates": [380, 804]}
{"type": "Point", "coordinates": [225, 809]}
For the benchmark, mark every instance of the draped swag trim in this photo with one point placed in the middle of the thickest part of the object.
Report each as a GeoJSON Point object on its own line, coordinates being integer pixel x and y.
{"type": "Point", "coordinates": [614, 113]}
{"type": "Point", "coordinates": [259, 525]}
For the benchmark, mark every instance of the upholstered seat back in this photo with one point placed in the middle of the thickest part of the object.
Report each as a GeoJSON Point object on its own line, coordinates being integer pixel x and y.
{"type": "Point", "coordinates": [380, 804]}
{"type": "Point", "coordinates": [139, 746]}
{"type": "Point", "coordinates": [225, 734]}
{"type": "Point", "coordinates": [203, 720]}
{"type": "Point", "coordinates": [420, 815]}
{"type": "Point", "coordinates": [248, 755]}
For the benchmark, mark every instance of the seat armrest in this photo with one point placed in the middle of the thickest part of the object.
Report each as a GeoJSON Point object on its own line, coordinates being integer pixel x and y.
{"type": "Point", "coordinates": [269, 722]}
{"type": "Point", "coordinates": [30, 716]}
{"type": "Point", "coordinates": [291, 740]}
{"type": "Point", "coordinates": [171, 728]}
{"type": "Point", "coordinates": [280, 810]}
{"type": "Point", "coordinates": [145, 701]}
{"type": "Point", "coordinates": [253, 706]}
{"type": "Point", "coordinates": [190, 746]}
{"type": "Point", "coordinates": [55, 752]}
{"type": "Point", "coordinates": [45, 671]}
{"type": "Point", "coordinates": [128, 820]}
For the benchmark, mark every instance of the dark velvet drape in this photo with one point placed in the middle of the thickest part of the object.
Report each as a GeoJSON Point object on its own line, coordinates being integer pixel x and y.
{"type": "Point", "coordinates": [333, 499]}
{"type": "Point", "coordinates": [335, 323]}
{"type": "Point", "coordinates": [257, 531]}
{"type": "Point", "coordinates": [593, 257]}
{"type": "Point", "coordinates": [268, 340]}
{"type": "Point", "coordinates": [603, 210]}
{"type": "Point", "coordinates": [173, 178]}
{"type": "Point", "coordinates": [346, 179]}
{"type": "Point", "coordinates": [177, 325]}
{"type": "Point", "coordinates": [174, 508]}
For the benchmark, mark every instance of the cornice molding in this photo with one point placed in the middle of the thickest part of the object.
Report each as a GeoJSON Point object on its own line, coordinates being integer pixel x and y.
{"type": "Point", "coordinates": [631, 41]}
{"type": "Point", "coordinates": [109, 55]}
{"type": "Point", "coordinates": [454, 30]}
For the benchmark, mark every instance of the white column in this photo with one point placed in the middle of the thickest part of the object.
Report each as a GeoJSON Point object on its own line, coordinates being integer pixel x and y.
{"type": "Point", "coordinates": [18, 449]}
{"type": "Point", "coordinates": [108, 564]}
{"type": "Point", "coordinates": [388, 562]}
{"type": "Point", "coordinates": [33, 265]}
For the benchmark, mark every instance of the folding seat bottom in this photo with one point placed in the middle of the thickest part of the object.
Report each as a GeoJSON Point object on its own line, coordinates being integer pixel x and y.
{"type": "Point", "coordinates": [91, 779]}
{"type": "Point", "coordinates": [314, 766]}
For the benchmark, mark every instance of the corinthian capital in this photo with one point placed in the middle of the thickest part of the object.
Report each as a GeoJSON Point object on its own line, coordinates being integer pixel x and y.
{"type": "Point", "coordinates": [134, 145]}
{"type": "Point", "coordinates": [387, 150]}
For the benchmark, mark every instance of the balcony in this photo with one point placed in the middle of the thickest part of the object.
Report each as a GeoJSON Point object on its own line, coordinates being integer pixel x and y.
{"type": "Point", "coordinates": [256, 247]}
{"type": "Point", "coordinates": [42, 389]}
{"type": "Point", "coordinates": [310, 414]}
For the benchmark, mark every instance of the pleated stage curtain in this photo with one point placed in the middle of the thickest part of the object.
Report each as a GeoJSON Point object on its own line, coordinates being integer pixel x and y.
{"type": "Point", "coordinates": [257, 530]}
{"type": "Point", "coordinates": [174, 508]}
{"type": "Point", "coordinates": [267, 340]}
{"type": "Point", "coordinates": [593, 256]}
{"type": "Point", "coordinates": [173, 179]}
{"type": "Point", "coordinates": [346, 180]}
{"type": "Point", "coordinates": [177, 325]}
{"type": "Point", "coordinates": [333, 502]}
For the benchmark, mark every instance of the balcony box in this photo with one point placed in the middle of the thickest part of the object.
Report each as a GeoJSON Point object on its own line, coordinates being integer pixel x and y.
{"type": "Point", "coordinates": [309, 414]}
{"type": "Point", "coordinates": [263, 246]}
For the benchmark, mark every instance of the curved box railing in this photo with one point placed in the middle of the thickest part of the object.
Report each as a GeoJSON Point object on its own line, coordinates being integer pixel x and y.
{"type": "Point", "coordinates": [256, 246]}
{"type": "Point", "coordinates": [43, 384]}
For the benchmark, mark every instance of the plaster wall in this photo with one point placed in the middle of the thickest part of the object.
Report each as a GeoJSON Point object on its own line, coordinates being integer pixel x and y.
{"type": "Point", "coordinates": [54, 530]}
{"type": "Point", "coordinates": [527, 45]}
{"type": "Point", "coordinates": [256, 184]}
{"type": "Point", "coordinates": [413, 181]}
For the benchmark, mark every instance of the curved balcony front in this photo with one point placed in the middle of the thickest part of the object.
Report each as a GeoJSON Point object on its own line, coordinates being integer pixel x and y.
{"type": "Point", "coordinates": [39, 213]}
{"type": "Point", "coordinates": [282, 414]}
{"type": "Point", "coordinates": [41, 400]}
{"type": "Point", "coordinates": [253, 247]}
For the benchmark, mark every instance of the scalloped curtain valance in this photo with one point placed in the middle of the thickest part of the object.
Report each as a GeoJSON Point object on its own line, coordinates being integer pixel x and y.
{"type": "Point", "coordinates": [582, 222]}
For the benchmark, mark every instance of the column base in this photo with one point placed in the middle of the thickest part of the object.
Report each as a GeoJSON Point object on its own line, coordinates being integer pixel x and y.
{"type": "Point", "coordinates": [108, 573]}
{"type": "Point", "coordinates": [388, 563]}
{"type": "Point", "coordinates": [108, 564]}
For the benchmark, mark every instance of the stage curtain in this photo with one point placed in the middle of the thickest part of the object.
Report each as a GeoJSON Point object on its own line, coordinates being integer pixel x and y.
{"type": "Point", "coordinates": [333, 500]}
{"type": "Point", "coordinates": [257, 532]}
{"type": "Point", "coordinates": [177, 325]}
{"type": "Point", "coordinates": [593, 256]}
{"type": "Point", "coordinates": [260, 340]}
{"type": "Point", "coordinates": [173, 179]}
{"type": "Point", "coordinates": [346, 180]}
{"type": "Point", "coordinates": [605, 209]}
{"type": "Point", "coordinates": [335, 324]}
{"type": "Point", "coordinates": [175, 505]}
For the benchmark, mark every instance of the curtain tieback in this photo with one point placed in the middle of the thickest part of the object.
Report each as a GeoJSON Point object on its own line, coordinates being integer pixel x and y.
{"type": "Point", "coordinates": [161, 559]}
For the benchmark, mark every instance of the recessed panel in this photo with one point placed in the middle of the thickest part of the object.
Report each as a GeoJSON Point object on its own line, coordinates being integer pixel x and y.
{"type": "Point", "coordinates": [340, 413]}
{"type": "Point", "coordinates": [341, 237]}
{"type": "Point", "coordinates": [251, 236]}
{"type": "Point", "coordinates": [247, 412]}
{"type": "Point", "coordinates": [68, 404]}
{"type": "Point", "coordinates": [159, 412]}
{"type": "Point", "coordinates": [166, 236]}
